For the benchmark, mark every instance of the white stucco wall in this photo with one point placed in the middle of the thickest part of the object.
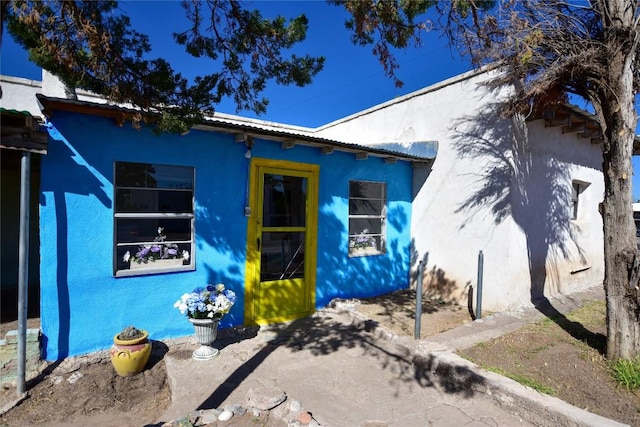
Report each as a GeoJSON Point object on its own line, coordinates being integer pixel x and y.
{"type": "Point", "coordinates": [502, 186]}
{"type": "Point", "coordinates": [20, 94]}
{"type": "Point", "coordinates": [496, 185]}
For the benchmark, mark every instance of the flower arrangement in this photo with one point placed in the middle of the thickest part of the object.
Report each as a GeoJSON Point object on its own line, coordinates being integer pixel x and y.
{"type": "Point", "coordinates": [212, 302]}
{"type": "Point", "coordinates": [362, 240]}
{"type": "Point", "coordinates": [158, 250]}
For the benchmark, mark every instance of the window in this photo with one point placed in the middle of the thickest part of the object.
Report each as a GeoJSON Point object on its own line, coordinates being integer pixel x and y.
{"type": "Point", "coordinates": [577, 191]}
{"type": "Point", "coordinates": [153, 218]}
{"type": "Point", "coordinates": [367, 210]}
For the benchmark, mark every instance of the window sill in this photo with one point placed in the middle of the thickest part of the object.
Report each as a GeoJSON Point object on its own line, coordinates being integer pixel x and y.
{"type": "Point", "coordinates": [353, 252]}
{"type": "Point", "coordinates": [157, 267]}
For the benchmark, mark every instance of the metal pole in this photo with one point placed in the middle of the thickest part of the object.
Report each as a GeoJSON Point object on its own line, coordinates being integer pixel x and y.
{"type": "Point", "coordinates": [23, 269]}
{"type": "Point", "coordinates": [416, 334]}
{"type": "Point", "coordinates": [479, 296]}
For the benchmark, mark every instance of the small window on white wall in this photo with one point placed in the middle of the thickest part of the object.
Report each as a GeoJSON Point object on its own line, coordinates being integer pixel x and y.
{"type": "Point", "coordinates": [577, 199]}
{"type": "Point", "coordinates": [367, 217]}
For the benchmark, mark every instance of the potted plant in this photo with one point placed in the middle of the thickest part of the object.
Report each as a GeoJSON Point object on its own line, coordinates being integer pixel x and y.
{"type": "Point", "coordinates": [204, 307]}
{"type": "Point", "coordinates": [159, 251]}
{"type": "Point", "coordinates": [130, 351]}
{"type": "Point", "coordinates": [363, 243]}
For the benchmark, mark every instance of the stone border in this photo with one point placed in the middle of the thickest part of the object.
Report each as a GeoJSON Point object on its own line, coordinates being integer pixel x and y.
{"type": "Point", "coordinates": [262, 402]}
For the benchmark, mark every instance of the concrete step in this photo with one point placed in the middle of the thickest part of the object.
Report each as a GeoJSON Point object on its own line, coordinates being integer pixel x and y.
{"type": "Point", "coordinates": [9, 355]}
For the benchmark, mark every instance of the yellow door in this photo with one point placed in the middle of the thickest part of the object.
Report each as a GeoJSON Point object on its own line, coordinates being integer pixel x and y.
{"type": "Point", "coordinates": [281, 249]}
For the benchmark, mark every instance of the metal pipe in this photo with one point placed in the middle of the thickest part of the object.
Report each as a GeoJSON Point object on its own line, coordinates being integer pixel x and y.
{"type": "Point", "coordinates": [416, 334]}
{"type": "Point", "coordinates": [480, 274]}
{"type": "Point", "coordinates": [23, 270]}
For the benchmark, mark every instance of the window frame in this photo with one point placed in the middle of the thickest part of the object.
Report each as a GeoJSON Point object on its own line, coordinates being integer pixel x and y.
{"type": "Point", "coordinates": [577, 199]}
{"type": "Point", "coordinates": [153, 267]}
{"type": "Point", "coordinates": [381, 242]}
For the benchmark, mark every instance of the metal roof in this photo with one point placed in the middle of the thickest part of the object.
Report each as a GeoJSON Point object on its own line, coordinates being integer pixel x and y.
{"type": "Point", "coordinates": [16, 112]}
{"type": "Point", "coordinates": [21, 131]}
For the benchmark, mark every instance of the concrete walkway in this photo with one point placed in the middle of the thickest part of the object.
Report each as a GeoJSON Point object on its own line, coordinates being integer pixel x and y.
{"type": "Point", "coordinates": [345, 371]}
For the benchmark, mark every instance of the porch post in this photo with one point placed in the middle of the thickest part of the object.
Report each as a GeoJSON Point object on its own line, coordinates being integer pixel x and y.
{"type": "Point", "coordinates": [23, 269]}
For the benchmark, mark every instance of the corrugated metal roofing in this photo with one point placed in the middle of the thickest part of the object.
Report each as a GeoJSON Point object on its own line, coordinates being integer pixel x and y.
{"type": "Point", "coordinates": [12, 111]}
{"type": "Point", "coordinates": [305, 138]}
{"type": "Point", "coordinates": [240, 125]}
{"type": "Point", "coordinates": [21, 131]}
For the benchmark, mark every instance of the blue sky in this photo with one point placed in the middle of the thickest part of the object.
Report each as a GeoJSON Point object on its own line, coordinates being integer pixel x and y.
{"type": "Point", "coordinates": [351, 81]}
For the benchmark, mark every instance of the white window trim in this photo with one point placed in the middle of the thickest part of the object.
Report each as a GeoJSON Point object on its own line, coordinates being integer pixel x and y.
{"type": "Point", "coordinates": [159, 266]}
{"type": "Point", "coordinates": [358, 252]}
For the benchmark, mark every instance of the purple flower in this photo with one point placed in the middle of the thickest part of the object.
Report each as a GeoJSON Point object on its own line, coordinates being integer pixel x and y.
{"type": "Point", "coordinates": [155, 248]}
{"type": "Point", "coordinates": [142, 252]}
{"type": "Point", "coordinates": [172, 252]}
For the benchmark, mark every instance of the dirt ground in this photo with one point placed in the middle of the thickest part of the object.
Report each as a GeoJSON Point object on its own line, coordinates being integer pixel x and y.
{"type": "Point", "coordinates": [396, 312]}
{"type": "Point", "coordinates": [86, 387]}
{"type": "Point", "coordinates": [563, 354]}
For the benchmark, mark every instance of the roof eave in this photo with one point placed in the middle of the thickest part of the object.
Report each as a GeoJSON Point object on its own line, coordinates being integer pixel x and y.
{"type": "Point", "coordinates": [573, 119]}
{"type": "Point", "coordinates": [23, 132]}
{"type": "Point", "coordinates": [289, 138]}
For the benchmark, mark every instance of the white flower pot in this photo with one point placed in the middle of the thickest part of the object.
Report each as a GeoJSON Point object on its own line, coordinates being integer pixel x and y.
{"type": "Point", "coordinates": [206, 332]}
{"type": "Point", "coordinates": [364, 251]}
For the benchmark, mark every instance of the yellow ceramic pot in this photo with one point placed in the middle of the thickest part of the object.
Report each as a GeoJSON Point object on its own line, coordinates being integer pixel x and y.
{"type": "Point", "coordinates": [129, 357]}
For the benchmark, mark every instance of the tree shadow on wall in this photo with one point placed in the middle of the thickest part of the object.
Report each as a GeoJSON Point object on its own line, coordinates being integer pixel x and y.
{"type": "Point", "coordinates": [436, 285]}
{"type": "Point", "coordinates": [341, 276]}
{"type": "Point", "coordinates": [77, 180]}
{"type": "Point", "coordinates": [519, 180]}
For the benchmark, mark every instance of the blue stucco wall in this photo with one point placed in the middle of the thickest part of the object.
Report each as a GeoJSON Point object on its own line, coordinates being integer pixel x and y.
{"type": "Point", "coordinates": [83, 305]}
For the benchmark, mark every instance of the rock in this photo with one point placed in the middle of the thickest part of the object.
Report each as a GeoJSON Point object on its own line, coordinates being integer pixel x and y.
{"type": "Point", "coordinates": [304, 417]}
{"type": "Point", "coordinates": [268, 336]}
{"type": "Point", "coordinates": [195, 417]}
{"type": "Point", "coordinates": [56, 379]}
{"type": "Point", "coordinates": [282, 412]}
{"type": "Point", "coordinates": [225, 415]}
{"type": "Point", "coordinates": [295, 406]}
{"type": "Point", "coordinates": [209, 416]}
{"type": "Point", "coordinates": [265, 398]}
{"type": "Point", "coordinates": [236, 409]}
{"type": "Point", "coordinates": [72, 364]}
{"type": "Point", "coordinates": [12, 403]}
{"type": "Point", "coordinates": [74, 377]}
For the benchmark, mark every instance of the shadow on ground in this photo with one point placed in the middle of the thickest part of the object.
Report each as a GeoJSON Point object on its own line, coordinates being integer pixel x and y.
{"type": "Point", "coordinates": [325, 333]}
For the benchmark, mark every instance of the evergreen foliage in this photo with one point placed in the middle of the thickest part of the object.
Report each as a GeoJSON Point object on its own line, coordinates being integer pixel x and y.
{"type": "Point", "coordinates": [90, 45]}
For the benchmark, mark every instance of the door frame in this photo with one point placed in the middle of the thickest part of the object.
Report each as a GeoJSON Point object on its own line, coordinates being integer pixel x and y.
{"type": "Point", "coordinates": [252, 273]}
